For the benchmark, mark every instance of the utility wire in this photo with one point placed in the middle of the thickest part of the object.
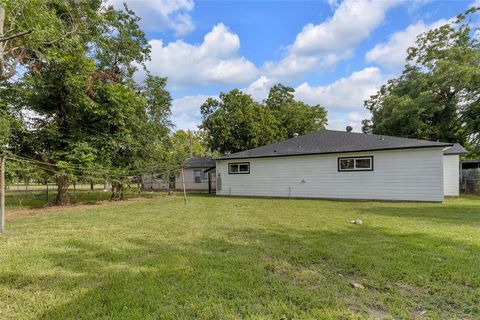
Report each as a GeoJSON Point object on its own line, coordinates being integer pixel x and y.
{"type": "Point", "coordinates": [92, 170]}
{"type": "Point", "coordinates": [102, 173]}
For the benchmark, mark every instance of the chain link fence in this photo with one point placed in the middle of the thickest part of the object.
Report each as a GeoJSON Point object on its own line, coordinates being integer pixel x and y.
{"type": "Point", "coordinates": [470, 182]}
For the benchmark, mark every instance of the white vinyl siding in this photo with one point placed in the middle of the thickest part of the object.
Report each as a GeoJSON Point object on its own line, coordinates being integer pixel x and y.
{"type": "Point", "coordinates": [192, 176]}
{"type": "Point", "coordinates": [451, 175]}
{"type": "Point", "coordinates": [407, 174]}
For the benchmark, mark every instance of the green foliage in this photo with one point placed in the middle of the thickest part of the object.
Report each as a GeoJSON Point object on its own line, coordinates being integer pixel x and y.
{"type": "Point", "coordinates": [91, 118]}
{"type": "Point", "coordinates": [236, 122]}
{"type": "Point", "coordinates": [4, 129]}
{"type": "Point", "coordinates": [294, 116]}
{"type": "Point", "coordinates": [187, 144]}
{"type": "Point", "coordinates": [437, 95]}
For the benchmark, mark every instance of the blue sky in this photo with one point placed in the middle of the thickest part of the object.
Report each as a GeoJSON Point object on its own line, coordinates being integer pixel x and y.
{"type": "Point", "coordinates": [334, 53]}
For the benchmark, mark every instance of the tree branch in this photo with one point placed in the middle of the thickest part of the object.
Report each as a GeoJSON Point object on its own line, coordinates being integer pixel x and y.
{"type": "Point", "coordinates": [20, 34]}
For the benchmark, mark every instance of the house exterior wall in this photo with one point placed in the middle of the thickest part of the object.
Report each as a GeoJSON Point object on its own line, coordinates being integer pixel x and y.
{"type": "Point", "coordinates": [407, 174]}
{"type": "Point", "coordinates": [190, 183]}
{"type": "Point", "coordinates": [451, 175]}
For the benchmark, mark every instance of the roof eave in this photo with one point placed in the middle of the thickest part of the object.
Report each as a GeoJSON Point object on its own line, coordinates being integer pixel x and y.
{"type": "Point", "coordinates": [456, 154]}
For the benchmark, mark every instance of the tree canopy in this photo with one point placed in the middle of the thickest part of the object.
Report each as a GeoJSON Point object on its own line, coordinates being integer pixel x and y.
{"type": "Point", "coordinates": [80, 111]}
{"type": "Point", "coordinates": [236, 122]}
{"type": "Point", "coordinates": [437, 96]}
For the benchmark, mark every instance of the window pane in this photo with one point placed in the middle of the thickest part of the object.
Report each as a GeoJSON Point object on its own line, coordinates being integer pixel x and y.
{"type": "Point", "coordinates": [364, 163]}
{"type": "Point", "coordinates": [197, 175]}
{"type": "Point", "coordinates": [244, 168]}
{"type": "Point", "coordinates": [234, 168]}
{"type": "Point", "coordinates": [346, 164]}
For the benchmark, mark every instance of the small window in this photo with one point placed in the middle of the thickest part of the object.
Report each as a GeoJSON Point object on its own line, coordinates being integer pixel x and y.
{"type": "Point", "coordinates": [197, 175]}
{"type": "Point", "coordinates": [355, 164]}
{"type": "Point", "coordinates": [239, 168]}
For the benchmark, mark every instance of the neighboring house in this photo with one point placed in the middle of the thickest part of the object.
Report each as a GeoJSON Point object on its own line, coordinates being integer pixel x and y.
{"type": "Point", "coordinates": [451, 169]}
{"type": "Point", "coordinates": [339, 165]}
{"type": "Point", "coordinates": [199, 174]}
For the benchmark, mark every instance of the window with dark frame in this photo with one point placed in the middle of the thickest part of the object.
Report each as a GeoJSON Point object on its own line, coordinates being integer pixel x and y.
{"type": "Point", "coordinates": [355, 163]}
{"type": "Point", "coordinates": [197, 175]}
{"type": "Point", "coordinates": [239, 168]}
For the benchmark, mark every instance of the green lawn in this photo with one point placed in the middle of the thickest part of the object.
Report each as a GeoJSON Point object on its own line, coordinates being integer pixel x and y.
{"type": "Point", "coordinates": [40, 198]}
{"type": "Point", "coordinates": [231, 258]}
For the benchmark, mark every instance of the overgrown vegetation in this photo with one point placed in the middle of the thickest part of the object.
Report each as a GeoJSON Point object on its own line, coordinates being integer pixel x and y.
{"type": "Point", "coordinates": [437, 97]}
{"type": "Point", "coordinates": [230, 258]}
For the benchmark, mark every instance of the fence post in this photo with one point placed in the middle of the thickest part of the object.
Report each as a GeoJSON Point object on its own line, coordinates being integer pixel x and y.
{"type": "Point", "coordinates": [184, 191]}
{"type": "Point", "coordinates": [75, 191]}
{"type": "Point", "coordinates": [2, 193]}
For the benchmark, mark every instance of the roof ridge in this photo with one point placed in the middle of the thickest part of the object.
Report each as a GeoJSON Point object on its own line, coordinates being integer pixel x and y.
{"type": "Point", "coordinates": [334, 141]}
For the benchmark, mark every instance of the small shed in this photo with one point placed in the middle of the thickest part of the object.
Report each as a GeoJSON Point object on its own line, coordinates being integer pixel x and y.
{"type": "Point", "coordinates": [451, 169]}
{"type": "Point", "coordinates": [199, 173]}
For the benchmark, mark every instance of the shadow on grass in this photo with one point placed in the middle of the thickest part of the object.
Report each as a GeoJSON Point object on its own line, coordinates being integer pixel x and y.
{"type": "Point", "coordinates": [276, 273]}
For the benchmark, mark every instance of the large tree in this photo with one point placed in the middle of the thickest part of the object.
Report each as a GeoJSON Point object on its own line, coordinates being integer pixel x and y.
{"type": "Point", "coordinates": [236, 122]}
{"type": "Point", "coordinates": [92, 119]}
{"type": "Point", "coordinates": [437, 97]}
{"type": "Point", "coordinates": [294, 116]}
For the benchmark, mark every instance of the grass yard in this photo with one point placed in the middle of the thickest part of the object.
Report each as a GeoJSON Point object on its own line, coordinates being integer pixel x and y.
{"type": "Point", "coordinates": [230, 258]}
{"type": "Point", "coordinates": [40, 198]}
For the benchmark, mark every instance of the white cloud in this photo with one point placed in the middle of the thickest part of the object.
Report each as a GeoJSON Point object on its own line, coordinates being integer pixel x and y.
{"type": "Point", "coordinates": [322, 45]}
{"type": "Point", "coordinates": [161, 14]}
{"type": "Point", "coordinates": [290, 66]}
{"type": "Point", "coordinates": [342, 98]}
{"type": "Point", "coordinates": [352, 22]}
{"type": "Point", "coordinates": [341, 121]}
{"type": "Point", "coordinates": [392, 53]}
{"type": "Point", "coordinates": [345, 93]}
{"type": "Point", "coordinates": [260, 88]}
{"type": "Point", "coordinates": [215, 60]}
{"type": "Point", "coordinates": [186, 111]}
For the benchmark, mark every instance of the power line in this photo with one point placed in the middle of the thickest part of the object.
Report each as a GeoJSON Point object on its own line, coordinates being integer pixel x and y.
{"type": "Point", "coordinates": [91, 170]}
{"type": "Point", "coordinates": [101, 173]}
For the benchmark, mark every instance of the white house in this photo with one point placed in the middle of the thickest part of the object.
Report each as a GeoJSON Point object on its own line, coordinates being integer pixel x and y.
{"type": "Point", "coordinates": [341, 165]}
{"type": "Point", "coordinates": [199, 174]}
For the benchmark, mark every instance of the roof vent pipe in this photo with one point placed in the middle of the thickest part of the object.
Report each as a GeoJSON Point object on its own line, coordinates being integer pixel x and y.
{"type": "Point", "coordinates": [382, 138]}
{"type": "Point", "coordinates": [295, 135]}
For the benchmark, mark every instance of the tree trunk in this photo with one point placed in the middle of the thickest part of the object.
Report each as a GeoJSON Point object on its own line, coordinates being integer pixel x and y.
{"type": "Point", "coordinates": [62, 191]}
{"type": "Point", "coordinates": [117, 192]}
{"type": "Point", "coordinates": [91, 185]}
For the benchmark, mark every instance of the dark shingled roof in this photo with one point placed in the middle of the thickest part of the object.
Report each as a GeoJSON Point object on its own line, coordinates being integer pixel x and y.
{"type": "Point", "coordinates": [329, 141]}
{"type": "Point", "coordinates": [456, 149]}
{"type": "Point", "coordinates": [199, 162]}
